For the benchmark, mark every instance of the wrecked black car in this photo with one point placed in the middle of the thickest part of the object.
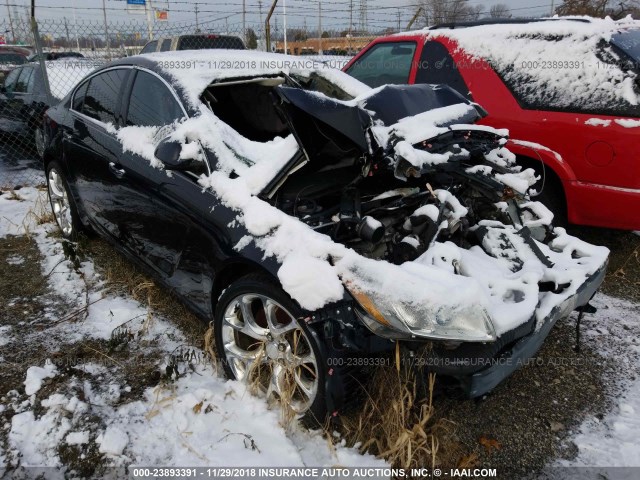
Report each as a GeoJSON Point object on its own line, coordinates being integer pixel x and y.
{"type": "Point", "coordinates": [316, 220]}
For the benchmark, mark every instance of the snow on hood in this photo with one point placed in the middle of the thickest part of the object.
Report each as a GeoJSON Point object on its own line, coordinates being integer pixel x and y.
{"type": "Point", "coordinates": [486, 284]}
{"type": "Point", "coordinates": [559, 62]}
{"type": "Point", "coordinates": [195, 70]}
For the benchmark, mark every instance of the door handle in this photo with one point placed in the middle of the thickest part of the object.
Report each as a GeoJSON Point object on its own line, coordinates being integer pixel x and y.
{"type": "Point", "coordinates": [118, 172]}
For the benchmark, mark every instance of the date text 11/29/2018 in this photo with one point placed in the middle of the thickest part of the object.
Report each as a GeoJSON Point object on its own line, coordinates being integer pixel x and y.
{"type": "Point", "coordinates": [269, 473]}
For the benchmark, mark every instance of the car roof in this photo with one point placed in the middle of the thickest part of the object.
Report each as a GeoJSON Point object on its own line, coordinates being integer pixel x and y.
{"type": "Point", "coordinates": [504, 21]}
{"type": "Point", "coordinates": [568, 25]}
{"type": "Point", "coordinates": [191, 71]}
{"type": "Point", "coordinates": [15, 49]}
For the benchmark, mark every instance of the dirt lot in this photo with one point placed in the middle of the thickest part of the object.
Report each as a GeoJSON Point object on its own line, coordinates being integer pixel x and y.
{"type": "Point", "coordinates": [523, 425]}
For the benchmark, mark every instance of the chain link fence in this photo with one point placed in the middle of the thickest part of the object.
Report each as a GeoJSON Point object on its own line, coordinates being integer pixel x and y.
{"type": "Point", "coordinates": [71, 50]}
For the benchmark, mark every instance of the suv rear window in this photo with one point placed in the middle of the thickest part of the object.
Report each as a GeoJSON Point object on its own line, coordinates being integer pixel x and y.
{"type": "Point", "coordinates": [200, 42]}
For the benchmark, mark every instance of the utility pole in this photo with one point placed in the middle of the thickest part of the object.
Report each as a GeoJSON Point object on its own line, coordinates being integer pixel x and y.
{"type": "Point", "coordinates": [350, 23]}
{"type": "Point", "coordinates": [148, 8]}
{"type": "Point", "coordinates": [267, 27]}
{"type": "Point", "coordinates": [13, 33]}
{"type": "Point", "coordinates": [552, 7]}
{"type": "Point", "coordinates": [415, 17]}
{"type": "Point", "coordinates": [106, 28]}
{"type": "Point", "coordinates": [320, 27]}
{"type": "Point", "coordinates": [260, 11]}
{"type": "Point", "coordinates": [66, 29]}
{"type": "Point", "coordinates": [197, 26]}
{"type": "Point", "coordinates": [226, 22]}
{"type": "Point", "coordinates": [244, 20]}
{"type": "Point", "coordinates": [75, 25]}
{"type": "Point", "coordinates": [398, 13]}
{"type": "Point", "coordinates": [284, 12]}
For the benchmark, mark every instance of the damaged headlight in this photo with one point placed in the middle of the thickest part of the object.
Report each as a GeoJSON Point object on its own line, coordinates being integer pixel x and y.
{"type": "Point", "coordinates": [394, 319]}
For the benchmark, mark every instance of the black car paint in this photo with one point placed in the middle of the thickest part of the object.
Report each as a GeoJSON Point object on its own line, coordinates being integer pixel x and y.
{"type": "Point", "coordinates": [163, 223]}
{"type": "Point", "coordinates": [23, 111]}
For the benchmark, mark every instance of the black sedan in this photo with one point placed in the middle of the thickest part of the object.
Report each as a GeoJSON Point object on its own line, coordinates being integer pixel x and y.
{"type": "Point", "coordinates": [23, 98]}
{"type": "Point", "coordinates": [320, 224]}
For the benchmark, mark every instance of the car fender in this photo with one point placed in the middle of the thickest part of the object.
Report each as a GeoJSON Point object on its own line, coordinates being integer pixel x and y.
{"type": "Point", "coordinates": [550, 158]}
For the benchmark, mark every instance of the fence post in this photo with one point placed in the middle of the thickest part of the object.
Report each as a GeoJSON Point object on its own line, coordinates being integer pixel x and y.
{"type": "Point", "coordinates": [43, 64]}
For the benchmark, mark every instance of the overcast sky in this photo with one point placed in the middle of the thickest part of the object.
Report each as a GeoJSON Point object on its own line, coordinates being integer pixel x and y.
{"type": "Point", "coordinates": [381, 13]}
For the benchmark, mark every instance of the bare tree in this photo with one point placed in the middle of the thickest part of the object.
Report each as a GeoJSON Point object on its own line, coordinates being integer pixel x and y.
{"type": "Point", "coordinates": [446, 11]}
{"type": "Point", "coordinates": [599, 8]}
{"type": "Point", "coordinates": [499, 10]}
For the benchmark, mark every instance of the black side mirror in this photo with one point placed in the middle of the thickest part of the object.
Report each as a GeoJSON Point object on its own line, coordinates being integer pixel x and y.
{"type": "Point", "coordinates": [168, 152]}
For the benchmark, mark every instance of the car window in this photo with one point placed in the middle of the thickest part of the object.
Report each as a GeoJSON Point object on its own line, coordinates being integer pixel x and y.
{"type": "Point", "coordinates": [101, 99]}
{"type": "Point", "coordinates": [384, 63]}
{"type": "Point", "coordinates": [166, 45]}
{"type": "Point", "coordinates": [36, 76]}
{"type": "Point", "coordinates": [11, 59]}
{"type": "Point", "coordinates": [12, 78]}
{"type": "Point", "coordinates": [438, 66]}
{"type": "Point", "coordinates": [23, 80]}
{"type": "Point", "coordinates": [152, 103]}
{"type": "Point", "coordinates": [150, 47]}
{"type": "Point", "coordinates": [78, 97]}
{"type": "Point", "coordinates": [567, 82]}
{"type": "Point", "coordinates": [197, 42]}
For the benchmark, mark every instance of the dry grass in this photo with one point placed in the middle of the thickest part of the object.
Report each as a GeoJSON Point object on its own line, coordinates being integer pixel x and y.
{"type": "Point", "coordinates": [395, 423]}
{"type": "Point", "coordinates": [122, 277]}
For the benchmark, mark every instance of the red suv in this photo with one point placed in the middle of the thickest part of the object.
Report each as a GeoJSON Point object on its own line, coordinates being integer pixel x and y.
{"type": "Point", "coordinates": [570, 84]}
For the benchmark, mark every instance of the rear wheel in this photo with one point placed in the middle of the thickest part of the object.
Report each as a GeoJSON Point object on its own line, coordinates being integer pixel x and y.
{"type": "Point", "coordinates": [62, 204]}
{"type": "Point", "coordinates": [261, 341]}
{"type": "Point", "coordinates": [38, 138]}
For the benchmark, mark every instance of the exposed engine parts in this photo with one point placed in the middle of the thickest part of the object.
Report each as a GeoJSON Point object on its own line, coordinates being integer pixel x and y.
{"type": "Point", "coordinates": [440, 202]}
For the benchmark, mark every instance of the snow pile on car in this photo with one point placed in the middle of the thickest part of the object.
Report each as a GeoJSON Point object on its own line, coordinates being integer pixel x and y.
{"type": "Point", "coordinates": [560, 63]}
{"type": "Point", "coordinates": [486, 284]}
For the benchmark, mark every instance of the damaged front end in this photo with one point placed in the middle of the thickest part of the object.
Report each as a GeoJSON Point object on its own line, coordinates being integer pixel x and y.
{"type": "Point", "coordinates": [403, 175]}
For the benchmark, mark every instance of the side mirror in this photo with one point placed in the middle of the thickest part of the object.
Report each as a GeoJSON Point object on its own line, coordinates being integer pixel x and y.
{"type": "Point", "coordinates": [168, 152]}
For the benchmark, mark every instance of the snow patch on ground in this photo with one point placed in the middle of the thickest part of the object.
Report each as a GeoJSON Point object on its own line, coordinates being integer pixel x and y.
{"type": "Point", "coordinates": [614, 440]}
{"type": "Point", "coordinates": [200, 419]}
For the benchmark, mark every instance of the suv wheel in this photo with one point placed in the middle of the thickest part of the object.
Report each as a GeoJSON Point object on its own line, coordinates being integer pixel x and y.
{"type": "Point", "coordinates": [261, 341]}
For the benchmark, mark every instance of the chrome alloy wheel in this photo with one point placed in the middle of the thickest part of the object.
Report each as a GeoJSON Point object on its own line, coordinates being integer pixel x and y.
{"type": "Point", "coordinates": [39, 141]}
{"type": "Point", "coordinates": [265, 347]}
{"type": "Point", "coordinates": [60, 202]}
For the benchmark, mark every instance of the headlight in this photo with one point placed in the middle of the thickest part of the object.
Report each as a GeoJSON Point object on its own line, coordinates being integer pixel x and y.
{"type": "Point", "coordinates": [399, 320]}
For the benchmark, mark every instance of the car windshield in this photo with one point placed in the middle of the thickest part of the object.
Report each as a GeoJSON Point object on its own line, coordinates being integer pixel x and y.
{"type": "Point", "coordinates": [629, 42]}
{"type": "Point", "coordinates": [11, 59]}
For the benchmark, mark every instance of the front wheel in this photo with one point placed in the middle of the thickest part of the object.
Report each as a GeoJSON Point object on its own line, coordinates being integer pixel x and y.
{"type": "Point", "coordinates": [261, 341]}
{"type": "Point", "coordinates": [38, 138]}
{"type": "Point", "coordinates": [62, 204]}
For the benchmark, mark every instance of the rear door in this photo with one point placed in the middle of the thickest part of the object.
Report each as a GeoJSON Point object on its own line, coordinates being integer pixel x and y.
{"type": "Point", "coordinates": [92, 150]}
{"type": "Point", "coordinates": [164, 230]}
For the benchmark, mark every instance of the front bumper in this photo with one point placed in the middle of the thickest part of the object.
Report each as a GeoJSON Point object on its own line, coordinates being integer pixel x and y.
{"type": "Point", "coordinates": [518, 354]}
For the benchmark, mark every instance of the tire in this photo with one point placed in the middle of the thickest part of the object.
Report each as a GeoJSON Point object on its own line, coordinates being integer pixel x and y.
{"type": "Point", "coordinates": [551, 192]}
{"type": "Point", "coordinates": [62, 204]}
{"type": "Point", "coordinates": [38, 139]}
{"type": "Point", "coordinates": [276, 354]}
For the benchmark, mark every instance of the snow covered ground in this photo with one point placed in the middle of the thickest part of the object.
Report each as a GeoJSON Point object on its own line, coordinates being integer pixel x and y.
{"type": "Point", "coordinates": [200, 418]}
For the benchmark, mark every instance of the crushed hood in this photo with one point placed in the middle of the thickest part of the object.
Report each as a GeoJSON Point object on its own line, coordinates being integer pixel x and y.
{"type": "Point", "coordinates": [328, 129]}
